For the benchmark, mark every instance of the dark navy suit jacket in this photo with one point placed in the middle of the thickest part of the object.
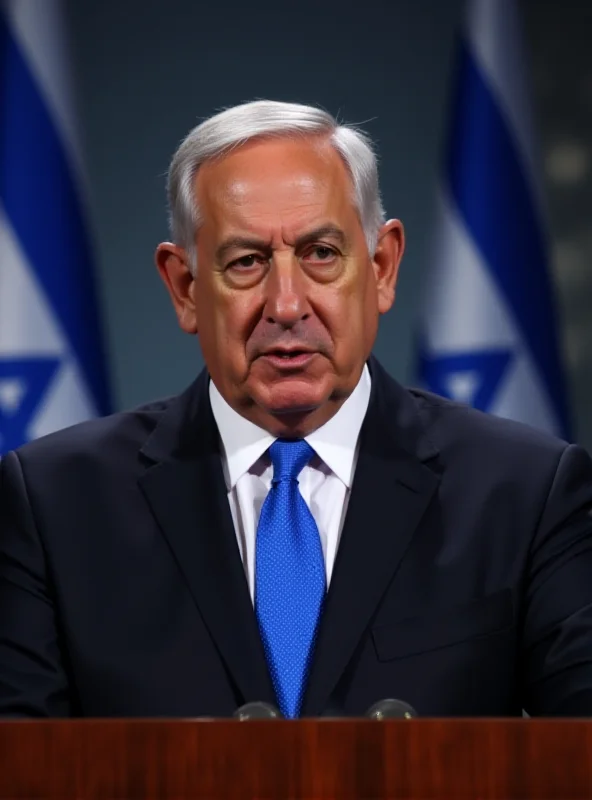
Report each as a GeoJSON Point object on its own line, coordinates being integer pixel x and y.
{"type": "Point", "coordinates": [463, 579]}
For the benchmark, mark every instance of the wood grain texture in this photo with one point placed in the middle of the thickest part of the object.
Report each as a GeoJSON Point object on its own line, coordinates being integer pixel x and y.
{"type": "Point", "coordinates": [307, 759]}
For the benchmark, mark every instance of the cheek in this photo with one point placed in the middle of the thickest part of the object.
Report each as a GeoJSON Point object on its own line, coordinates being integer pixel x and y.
{"type": "Point", "coordinates": [358, 322]}
{"type": "Point", "coordinates": [225, 322]}
{"type": "Point", "coordinates": [344, 313]}
{"type": "Point", "coordinates": [370, 314]}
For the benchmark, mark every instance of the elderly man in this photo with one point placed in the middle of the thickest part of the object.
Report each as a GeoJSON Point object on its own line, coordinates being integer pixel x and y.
{"type": "Point", "coordinates": [296, 527]}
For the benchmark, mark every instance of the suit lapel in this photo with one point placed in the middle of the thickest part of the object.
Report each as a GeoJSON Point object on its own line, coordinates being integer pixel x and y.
{"type": "Point", "coordinates": [186, 491]}
{"type": "Point", "coordinates": [391, 491]}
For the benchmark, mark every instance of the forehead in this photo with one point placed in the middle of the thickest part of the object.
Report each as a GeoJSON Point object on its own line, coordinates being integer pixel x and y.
{"type": "Point", "coordinates": [275, 181]}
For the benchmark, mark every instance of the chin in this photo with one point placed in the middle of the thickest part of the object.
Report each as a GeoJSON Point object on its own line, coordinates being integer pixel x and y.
{"type": "Point", "coordinates": [293, 403]}
{"type": "Point", "coordinates": [292, 397]}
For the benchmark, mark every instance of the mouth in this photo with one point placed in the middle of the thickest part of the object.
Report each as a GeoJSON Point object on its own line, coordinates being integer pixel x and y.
{"type": "Point", "coordinates": [285, 359]}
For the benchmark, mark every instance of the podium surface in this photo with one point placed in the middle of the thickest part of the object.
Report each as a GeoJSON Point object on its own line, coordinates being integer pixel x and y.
{"type": "Point", "coordinates": [419, 758]}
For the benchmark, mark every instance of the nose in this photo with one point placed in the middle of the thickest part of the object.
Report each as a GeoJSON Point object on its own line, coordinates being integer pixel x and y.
{"type": "Point", "coordinates": [286, 300]}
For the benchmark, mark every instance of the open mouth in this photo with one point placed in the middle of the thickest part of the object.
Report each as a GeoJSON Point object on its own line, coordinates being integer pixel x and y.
{"type": "Point", "coordinates": [288, 353]}
{"type": "Point", "coordinates": [288, 358]}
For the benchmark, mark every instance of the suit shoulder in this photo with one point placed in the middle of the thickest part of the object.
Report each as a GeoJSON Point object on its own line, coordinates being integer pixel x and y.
{"type": "Point", "coordinates": [107, 436]}
{"type": "Point", "coordinates": [453, 423]}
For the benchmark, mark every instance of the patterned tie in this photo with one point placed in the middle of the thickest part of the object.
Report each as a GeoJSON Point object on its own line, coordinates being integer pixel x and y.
{"type": "Point", "coordinates": [289, 576]}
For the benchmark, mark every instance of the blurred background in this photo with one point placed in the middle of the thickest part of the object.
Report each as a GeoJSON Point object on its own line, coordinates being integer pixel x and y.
{"type": "Point", "coordinates": [146, 71]}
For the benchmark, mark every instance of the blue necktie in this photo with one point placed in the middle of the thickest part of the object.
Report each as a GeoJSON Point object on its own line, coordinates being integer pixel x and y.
{"type": "Point", "coordinates": [290, 580]}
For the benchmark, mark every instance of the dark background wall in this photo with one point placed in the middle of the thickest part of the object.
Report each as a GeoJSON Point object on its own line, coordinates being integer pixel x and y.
{"type": "Point", "coordinates": [148, 70]}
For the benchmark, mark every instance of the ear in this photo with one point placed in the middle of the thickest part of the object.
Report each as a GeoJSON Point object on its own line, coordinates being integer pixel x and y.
{"type": "Point", "coordinates": [173, 266]}
{"type": "Point", "coordinates": [386, 260]}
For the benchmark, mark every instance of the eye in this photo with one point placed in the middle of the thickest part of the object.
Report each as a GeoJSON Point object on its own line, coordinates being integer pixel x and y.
{"type": "Point", "coordinates": [321, 254]}
{"type": "Point", "coordinates": [247, 262]}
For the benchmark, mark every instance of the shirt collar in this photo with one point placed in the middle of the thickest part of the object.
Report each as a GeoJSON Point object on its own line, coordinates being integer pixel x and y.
{"type": "Point", "coordinates": [335, 442]}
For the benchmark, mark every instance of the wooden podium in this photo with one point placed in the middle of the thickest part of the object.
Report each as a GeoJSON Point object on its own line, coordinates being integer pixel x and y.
{"type": "Point", "coordinates": [419, 758]}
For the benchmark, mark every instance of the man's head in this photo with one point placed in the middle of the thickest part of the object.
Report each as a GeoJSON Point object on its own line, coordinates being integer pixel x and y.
{"type": "Point", "coordinates": [281, 261]}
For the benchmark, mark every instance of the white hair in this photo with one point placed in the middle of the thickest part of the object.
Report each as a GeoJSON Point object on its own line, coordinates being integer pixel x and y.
{"type": "Point", "coordinates": [268, 118]}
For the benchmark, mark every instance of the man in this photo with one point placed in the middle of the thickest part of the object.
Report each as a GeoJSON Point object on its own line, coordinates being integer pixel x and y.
{"type": "Point", "coordinates": [296, 527]}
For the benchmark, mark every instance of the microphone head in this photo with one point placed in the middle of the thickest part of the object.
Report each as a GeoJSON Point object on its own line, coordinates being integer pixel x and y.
{"type": "Point", "coordinates": [391, 709]}
{"type": "Point", "coordinates": [257, 710]}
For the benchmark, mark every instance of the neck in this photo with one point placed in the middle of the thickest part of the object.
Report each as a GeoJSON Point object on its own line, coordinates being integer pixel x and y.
{"type": "Point", "coordinates": [296, 423]}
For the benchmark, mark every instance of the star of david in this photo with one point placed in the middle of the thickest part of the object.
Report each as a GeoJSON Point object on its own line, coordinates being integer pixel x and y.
{"type": "Point", "coordinates": [471, 377]}
{"type": "Point", "coordinates": [23, 384]}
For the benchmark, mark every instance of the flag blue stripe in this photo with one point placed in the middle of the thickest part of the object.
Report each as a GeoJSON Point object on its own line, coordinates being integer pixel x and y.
{"type": "Point", "coordinates": [489, 187]}
{"type": "Point", "coordinates": [39, 195]}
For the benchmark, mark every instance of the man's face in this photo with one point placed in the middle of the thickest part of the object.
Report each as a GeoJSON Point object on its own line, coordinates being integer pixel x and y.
{"type": "Point", "coordinates": [286, 297]}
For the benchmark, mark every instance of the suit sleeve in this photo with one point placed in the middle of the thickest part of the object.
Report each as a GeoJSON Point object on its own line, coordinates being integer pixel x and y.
{"type": "Point", "coordinates": [557, 634]}
{"type": "Point", "coordinates": [33, 681]}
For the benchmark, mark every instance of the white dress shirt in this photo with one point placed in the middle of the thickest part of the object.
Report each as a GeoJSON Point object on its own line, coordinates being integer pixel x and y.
{"type": "Point", "coordinates": [325, 482]}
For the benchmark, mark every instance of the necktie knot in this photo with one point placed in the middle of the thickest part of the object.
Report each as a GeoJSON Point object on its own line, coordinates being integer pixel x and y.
{"type": "Point", "coordinates": [289, 457]}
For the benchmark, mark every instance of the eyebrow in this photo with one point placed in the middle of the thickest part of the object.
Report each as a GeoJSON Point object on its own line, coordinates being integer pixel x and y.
{"type": "Point", "coordinates": [252, 243]}
{"type": "Point", "coordinates": [323, 232]}
{"type": "Point", "coordinates": [240, 243]}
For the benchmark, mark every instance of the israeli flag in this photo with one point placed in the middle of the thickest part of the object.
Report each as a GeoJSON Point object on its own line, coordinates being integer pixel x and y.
{"type": "Point", "coordinates": [52, 369]}
{"type": "Point", "coordinates": [488, 332]}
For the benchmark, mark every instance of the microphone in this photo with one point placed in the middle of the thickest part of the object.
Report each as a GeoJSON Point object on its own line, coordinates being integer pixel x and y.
{"type": "Point", "coordinates": [257, 710]}
{"type": "Point", "coordinates": [391, 709]}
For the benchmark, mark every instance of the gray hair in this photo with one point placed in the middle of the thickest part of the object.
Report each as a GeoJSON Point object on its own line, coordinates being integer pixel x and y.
{"type": "Point", "coordinates": [267, 118]}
